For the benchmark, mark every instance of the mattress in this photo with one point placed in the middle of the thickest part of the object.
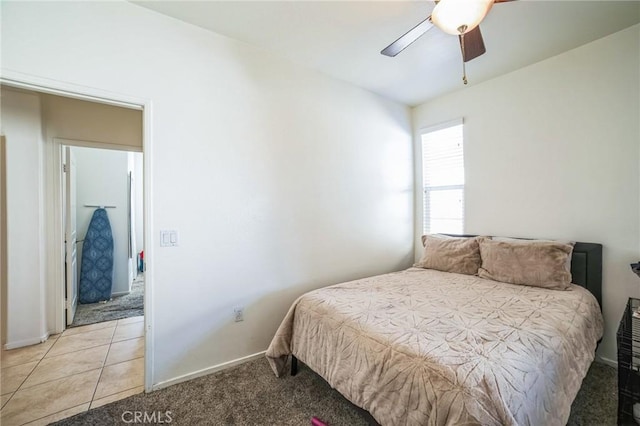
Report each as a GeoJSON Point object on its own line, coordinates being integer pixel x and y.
{"type": "Point", "coordinates": [423, 347]}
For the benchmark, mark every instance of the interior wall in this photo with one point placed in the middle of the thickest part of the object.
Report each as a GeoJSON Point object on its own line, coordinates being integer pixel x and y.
{"type": "Point", "coordinates": [551, 151]}
{"type": "Point", "coordinates": [278, 179]}
{"type": "Point", "coordinates": [20, 122]}
{"type": "Point", "coordinates": [102, 180]}
{"type": "Point", "coordinates": [70, 118]}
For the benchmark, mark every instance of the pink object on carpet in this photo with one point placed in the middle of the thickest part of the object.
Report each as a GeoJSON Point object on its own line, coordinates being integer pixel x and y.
{"type": "Point", "coordinates": [317, 422]}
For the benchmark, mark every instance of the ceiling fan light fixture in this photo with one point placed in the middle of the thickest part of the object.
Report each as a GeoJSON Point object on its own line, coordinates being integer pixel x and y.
{"type": "Point", "coordinates": [459, 16]}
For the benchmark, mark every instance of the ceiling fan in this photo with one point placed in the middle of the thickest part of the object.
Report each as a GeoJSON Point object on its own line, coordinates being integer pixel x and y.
{"type": "Point", "coordinates": [456, 17]}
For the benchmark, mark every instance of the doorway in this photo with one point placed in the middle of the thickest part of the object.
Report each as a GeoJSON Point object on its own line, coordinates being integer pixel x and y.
{"type": "Point", "coordinates": [49, 345]}
{"type": "Point", "coordinates": [103, 216]}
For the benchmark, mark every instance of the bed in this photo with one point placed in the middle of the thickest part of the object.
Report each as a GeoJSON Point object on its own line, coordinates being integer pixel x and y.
{"type": "Point", "coordinates": [427, 347]}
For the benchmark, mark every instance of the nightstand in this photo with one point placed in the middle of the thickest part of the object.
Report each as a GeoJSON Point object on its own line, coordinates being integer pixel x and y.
{"type": "Point", "coordinates": [628, 338]}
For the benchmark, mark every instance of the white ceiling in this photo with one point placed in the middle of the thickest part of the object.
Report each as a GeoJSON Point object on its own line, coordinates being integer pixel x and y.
{"type": "Point", "coordinates": [344, 38]}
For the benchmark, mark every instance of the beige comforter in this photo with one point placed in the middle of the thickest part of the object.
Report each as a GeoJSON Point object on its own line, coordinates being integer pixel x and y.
{"type": "Point", "coordinates": [422, 347]}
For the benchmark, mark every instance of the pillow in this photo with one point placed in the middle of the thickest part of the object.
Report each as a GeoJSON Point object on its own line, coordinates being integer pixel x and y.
{"type": "Point", "coordinates": [460, 255]}
{"type": "Point", "coordinates": [528, 240]}
{"type": "Point", "coordinates": [442, 236]}
{"type": "Point", "coordinates": [538, 263]}
{"type": "Point", "coordinates": [521, 240]}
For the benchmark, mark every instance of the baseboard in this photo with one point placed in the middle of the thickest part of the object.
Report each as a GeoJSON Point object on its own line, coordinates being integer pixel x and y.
{"type": "Point", "coordinates": [26, 342]}
{"type": "Point", "coordinates": [120, 293]}
{"type": "Point", "coordinates": [206, 371]}
{"type": "Point", "coordinates": [607, 361]}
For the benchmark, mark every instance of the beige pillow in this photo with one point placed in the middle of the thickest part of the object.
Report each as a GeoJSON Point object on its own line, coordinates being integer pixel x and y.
{"type": "Point", "coordinates": [538, 263]}
{"type": "Point", "coordinates": [525, 241]}
{"type": "Point", "coordinates": [460, 255]}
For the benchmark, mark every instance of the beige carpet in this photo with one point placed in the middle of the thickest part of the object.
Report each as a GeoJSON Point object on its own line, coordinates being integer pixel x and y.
{"type": "Point", "coordinates": [251, 395]}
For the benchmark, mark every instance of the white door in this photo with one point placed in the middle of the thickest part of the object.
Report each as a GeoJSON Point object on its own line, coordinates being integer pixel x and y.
{"type": "Point", "coordinates": [70, 236]}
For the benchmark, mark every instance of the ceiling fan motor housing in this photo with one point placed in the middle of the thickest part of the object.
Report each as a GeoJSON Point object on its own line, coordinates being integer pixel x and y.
{"type": "Point", "coordinates": [459, 16]}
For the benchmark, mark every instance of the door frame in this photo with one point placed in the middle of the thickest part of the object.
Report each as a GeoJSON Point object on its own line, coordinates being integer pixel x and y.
{"type": "Point", "coordinates": [57, 159]}
{"type": "Point", "coordinates": [52, 173]}
{"type": "Point", "coordinates": [70, 239]}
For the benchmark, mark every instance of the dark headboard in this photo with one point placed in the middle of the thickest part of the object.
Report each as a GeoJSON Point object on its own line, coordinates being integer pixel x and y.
{"type": "Point", "coordinates": [586, 266]}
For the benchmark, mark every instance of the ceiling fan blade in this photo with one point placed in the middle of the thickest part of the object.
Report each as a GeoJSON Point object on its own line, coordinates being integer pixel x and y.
{"type": "Point", "coordinates": [412, 35]}
{"type": "Point", "coordinates": [501, 1]}
{"type": "Point", "coordinates": [473, 44]}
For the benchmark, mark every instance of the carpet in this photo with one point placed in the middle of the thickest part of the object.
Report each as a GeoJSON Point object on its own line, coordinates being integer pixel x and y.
{"type": "Point", "coordinates": [129, 305]}
{"type": "Point", "coordinates": [250, 394]}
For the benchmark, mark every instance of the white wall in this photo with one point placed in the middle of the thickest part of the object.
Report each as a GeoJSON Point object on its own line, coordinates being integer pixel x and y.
{"type": "Point", "coordinates": [279, 179]}
{"type": "Point", "coordinates": [102, 180]}
{"type": "Point", "coordinates": [20, 122]}
{"type": "Point", "coordinates": [552, 151]}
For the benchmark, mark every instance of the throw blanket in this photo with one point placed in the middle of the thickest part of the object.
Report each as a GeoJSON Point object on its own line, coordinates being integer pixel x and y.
{"type": "Point", "coordinates": [423, 347]}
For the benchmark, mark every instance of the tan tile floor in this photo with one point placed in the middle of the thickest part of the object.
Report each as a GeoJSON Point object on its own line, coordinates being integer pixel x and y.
{"type": "Point", "coordinates": [82, 368]}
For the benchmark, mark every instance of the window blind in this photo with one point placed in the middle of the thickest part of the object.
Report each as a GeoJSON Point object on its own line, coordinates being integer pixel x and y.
{"type": "Point", "coordinates": [443, 179]}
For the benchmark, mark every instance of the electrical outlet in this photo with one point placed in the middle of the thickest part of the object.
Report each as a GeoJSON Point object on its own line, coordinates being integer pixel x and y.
{"type": "Point", "coordinates": [238, 313]}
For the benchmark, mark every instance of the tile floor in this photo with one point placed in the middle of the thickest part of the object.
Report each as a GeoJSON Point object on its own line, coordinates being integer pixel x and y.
{"type": "Point", "coordinates": [72, 372]}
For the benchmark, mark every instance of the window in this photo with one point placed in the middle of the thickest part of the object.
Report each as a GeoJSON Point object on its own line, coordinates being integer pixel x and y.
{"type": "Point", "coordinates": [443, 178]}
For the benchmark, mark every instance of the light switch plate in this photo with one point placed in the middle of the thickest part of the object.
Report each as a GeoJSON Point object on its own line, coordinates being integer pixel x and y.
{"type": "Point", "coordinates": [168, 238]}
